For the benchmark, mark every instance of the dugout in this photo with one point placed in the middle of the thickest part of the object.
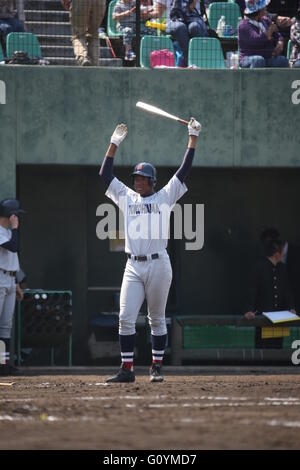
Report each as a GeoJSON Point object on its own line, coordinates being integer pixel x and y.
{"type": "Point", "coordinates": [212, 281]}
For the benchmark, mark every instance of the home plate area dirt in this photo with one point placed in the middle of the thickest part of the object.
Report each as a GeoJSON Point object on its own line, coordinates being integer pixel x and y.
{"type": "Point", "coordinates": [183, 412]}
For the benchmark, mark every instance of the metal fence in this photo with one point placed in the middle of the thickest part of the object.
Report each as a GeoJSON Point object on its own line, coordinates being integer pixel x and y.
{"type": "Point", "coordinates": [142, 33]}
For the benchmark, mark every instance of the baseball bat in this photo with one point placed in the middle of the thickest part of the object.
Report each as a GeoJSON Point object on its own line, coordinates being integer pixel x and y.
{"type": "Point", "coordinates": [104, 36]}
{"type": "Point", "coordinates": [159, 112]}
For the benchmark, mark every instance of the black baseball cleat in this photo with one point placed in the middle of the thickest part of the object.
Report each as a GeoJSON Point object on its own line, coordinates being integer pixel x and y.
{"type": "Point", "coordinates": [155, 373]}
{"type": "Point", "coordinates": [123, 376]}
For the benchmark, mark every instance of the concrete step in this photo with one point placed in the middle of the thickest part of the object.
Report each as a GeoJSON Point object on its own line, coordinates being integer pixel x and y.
{"type": "Point", "coordinates": [57, 51]}
{"type": "Point", "coordinates": [111, 62]}
{"type": "Point", "coordinates": [43, 5]}
{"type": "Point", "coordinates": [48, 27]}
{"type": "Point", "coordinates": [71, 61]}
{"type": "Point", "coordinates": [52, 40]}
{"type": "Point", "coordinates": [47, 15]}
{"type": "Point", "coordinates": [105, 53]}
{"type": "Point", "coordinates": [68, 51]}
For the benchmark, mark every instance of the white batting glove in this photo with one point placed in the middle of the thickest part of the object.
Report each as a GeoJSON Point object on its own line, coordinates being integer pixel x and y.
{"type": "Point", "coordinates": [119, 134]}
{"type": "Point", "coordinates": [194, 127]}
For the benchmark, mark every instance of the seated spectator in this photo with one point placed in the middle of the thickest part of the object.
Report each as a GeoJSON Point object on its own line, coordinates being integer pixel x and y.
{"type": "Point", "coordinates": [9, 20]}
{"type": "Point", "coordinates": [125, 15]}
{"type": "Point", "coordinates": [184, 21]}
{"type": "Point", "coordinates": [283, 8]}
{"type": "Point", "coordinates": [269, 288]}
{"type": "Point", "coordinates": [260, 44]}
{"type": "Point", "coordinates": [295, 38]}
{"type": "Point", "coordinates": [282, 12]}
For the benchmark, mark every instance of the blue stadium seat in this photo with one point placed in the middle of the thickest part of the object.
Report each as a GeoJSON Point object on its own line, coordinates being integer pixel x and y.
{"type": "Point", "coordinates": [231, 11]}
{"type": "Point", "coordinates": [206, 53]}
{"type": "Point", "coordinates": [26, 42]}
{"type": "Point", "coordinates": [154, 43]}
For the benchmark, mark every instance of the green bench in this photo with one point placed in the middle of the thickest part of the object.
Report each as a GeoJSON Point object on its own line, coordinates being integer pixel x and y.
{"type": "Point", "coordinates": [225, 338]}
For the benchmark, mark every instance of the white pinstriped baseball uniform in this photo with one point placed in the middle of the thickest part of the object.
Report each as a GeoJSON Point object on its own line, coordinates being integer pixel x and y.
{"type": "Point", "coordinates": [149, 279]}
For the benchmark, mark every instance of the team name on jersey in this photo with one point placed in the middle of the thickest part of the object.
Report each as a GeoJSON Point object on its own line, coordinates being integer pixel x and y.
{"type": "Point", "coordinates": [137, 209]}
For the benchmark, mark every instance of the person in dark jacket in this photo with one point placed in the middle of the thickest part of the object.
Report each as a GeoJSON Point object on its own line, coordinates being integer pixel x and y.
{"type": "Point", "coordinates": [269, 288]}
{"type": "Point", "coordinates": [185, 23]}
{"type": "Point", "coordinates": [282, 13]}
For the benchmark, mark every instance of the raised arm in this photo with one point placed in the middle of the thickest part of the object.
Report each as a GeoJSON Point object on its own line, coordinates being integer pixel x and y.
{"type": "Point", "coordinates": [106, 170]}
{"type": "Point", "coordinates": [155, 11]}
{"type": "Point", "coordinates": [117, 14]}
{"type": "Point", "coordinates": [12, 244]}
{"type": "Point", "coordinates": [194, 128]}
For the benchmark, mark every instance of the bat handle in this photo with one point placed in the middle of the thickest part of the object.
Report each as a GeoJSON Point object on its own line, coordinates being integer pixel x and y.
{"type": "Point", "coordinates": [182, 121]}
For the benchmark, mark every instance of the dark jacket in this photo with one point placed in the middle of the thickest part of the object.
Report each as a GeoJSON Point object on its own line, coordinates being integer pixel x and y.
{"type": "Point", "coordinates": [180, 11]}
{"type": "Point", "coordinates": [269, 288]}
{"type": "Point", "coordinates": [283, 7]}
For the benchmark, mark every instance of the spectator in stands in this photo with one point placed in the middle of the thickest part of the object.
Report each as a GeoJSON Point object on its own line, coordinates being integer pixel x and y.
{"type": "Point", "coordinates": [295, 38]}
{"type": "Point", "coordinates": [283, 8]}
{"type": "Point", "coordinates": [184, 21]}
{"type": "Point", "coordinates": [86, 17]}
{"type": "Point", "coordinates": [260, 44]}
{"type": "Point", "coordinates": [10, 19]}
{"type": "Point", "coordinates": [269, 287]}
{"type": "Point", "coordinates": [282, 12]}
{"type": "Point", "coordinates": [125, 15]}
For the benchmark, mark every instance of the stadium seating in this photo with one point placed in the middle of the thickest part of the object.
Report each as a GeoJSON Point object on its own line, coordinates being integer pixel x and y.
{"type": "Point", "coordinates": [153, 43]}
{"type": "Point", "coordinates": [231, 11]}
{"type": "Point", "coordinates": [26, 42]}
{"type": "Point", "coordinates": [112, 31]}
{"type": "Point", "coordinates": [206, 53]}
{"type": "Point", "coordinates": [111, 23]}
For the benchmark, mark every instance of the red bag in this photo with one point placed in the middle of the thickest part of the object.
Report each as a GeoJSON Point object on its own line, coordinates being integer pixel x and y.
{"type": "Point", "coordinates": [164, 57]}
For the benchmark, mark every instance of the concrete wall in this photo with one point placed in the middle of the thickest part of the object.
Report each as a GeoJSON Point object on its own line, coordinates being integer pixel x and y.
{"type": "Point", "coordinates": [58, 115]}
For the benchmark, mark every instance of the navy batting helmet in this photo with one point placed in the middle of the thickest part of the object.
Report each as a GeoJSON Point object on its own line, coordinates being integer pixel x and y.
{"type": "Point", "coordinates": [145, 169]}
{"type": "Point", "coordinates": [10, 207]}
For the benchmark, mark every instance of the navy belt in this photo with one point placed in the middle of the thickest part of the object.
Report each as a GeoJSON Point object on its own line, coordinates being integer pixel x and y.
{"type": "Point", "coordinates": [142, 258]}
{"type": "Point", "coordinates": [10, 273]}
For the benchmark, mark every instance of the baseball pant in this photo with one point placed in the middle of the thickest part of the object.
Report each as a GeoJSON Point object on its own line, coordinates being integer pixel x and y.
{"type": "Point", "coordinates": [145, 279]}
{"type": "Point", "coordinates": [7, 303]}
{"type": "Point", "coordinates": [86, 17]}
{"type": "Point", "coordinates": [7, 308]}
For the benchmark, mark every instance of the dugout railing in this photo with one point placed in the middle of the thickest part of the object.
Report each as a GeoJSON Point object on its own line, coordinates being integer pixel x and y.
{"type": "Point", "coordinates": [230, 338]}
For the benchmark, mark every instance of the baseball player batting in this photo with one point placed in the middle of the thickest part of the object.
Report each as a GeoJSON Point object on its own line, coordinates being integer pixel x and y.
{"type": "Point", "coordinates": [148, 271]}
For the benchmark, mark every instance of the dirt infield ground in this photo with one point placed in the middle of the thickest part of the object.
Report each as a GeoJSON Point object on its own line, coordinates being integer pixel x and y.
{"type": "Point", "coordinates": [184, 412]}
